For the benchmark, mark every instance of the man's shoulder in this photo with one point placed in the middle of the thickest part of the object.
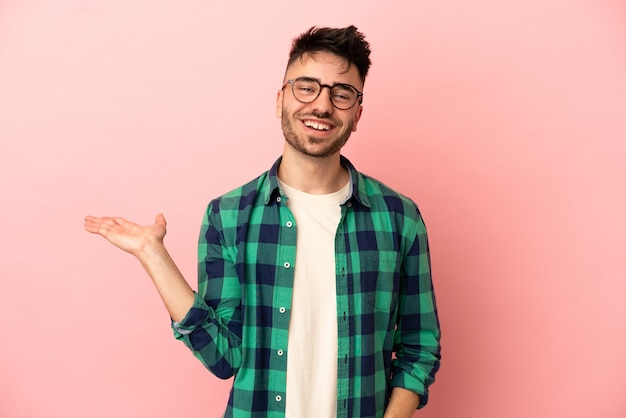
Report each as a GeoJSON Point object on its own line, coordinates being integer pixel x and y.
{"type": "Point", "coordinates": [391, 208]}
{"type": "Point", "coordinates": [243, 196]}
{"type": "Point", "coordinates": [383, 197]}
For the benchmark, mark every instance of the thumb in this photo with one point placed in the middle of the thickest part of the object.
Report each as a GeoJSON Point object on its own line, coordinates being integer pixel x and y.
{"type": "Point", "coordinates": [160, 220]}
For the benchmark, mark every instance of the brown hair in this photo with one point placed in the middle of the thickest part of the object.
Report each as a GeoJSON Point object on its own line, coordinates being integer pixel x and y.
{"type": "Point", "coordinates": [347, 43]}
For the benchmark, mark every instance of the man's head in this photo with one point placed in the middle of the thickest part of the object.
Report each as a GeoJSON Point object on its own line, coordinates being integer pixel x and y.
{"type": "Point", "coordinates": [320, 102]}
{"type": "Point", "coordinates": [347, 43]}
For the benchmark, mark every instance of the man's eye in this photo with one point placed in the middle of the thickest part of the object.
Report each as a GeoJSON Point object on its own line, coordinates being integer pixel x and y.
{"type": "Point", "coordinates": [343, 94]}
{"type": "Point", "coordinates": [306, 88]}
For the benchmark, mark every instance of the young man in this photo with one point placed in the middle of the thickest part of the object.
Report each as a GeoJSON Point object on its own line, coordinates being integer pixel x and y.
{"type": "Point", "coordinates": [314, 285]}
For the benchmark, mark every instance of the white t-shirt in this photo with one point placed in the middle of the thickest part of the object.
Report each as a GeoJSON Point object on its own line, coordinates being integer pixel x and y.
{"type": "Point", "coordinates": [312, 346]}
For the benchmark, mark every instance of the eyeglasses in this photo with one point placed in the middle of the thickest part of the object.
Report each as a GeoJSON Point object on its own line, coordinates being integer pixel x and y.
{"type": "Point", "coordinates": [307, 89]}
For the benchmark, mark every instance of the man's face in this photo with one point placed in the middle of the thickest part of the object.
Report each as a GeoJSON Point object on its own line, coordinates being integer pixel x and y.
{"type": "Point", "coordinates": [318, 129]}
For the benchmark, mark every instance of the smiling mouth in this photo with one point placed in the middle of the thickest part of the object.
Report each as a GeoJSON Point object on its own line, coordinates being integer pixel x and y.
{"type": "Point", "coordinates": [318, 126]}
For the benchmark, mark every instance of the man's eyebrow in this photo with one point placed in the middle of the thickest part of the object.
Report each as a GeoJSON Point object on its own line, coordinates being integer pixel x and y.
{"type": "Point", "coordinates": [307, 78]}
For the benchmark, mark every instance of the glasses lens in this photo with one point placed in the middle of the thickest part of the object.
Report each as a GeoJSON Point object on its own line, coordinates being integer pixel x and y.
{"type": "Point", "coordinates": [306, 90]}
{"type": "Point", "coordinates": [343, 96]}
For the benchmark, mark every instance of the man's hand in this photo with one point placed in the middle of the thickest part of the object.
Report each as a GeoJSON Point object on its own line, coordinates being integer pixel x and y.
{"type": "Point", "coordinates": [402, 404]}
{"type": "Point", "coordinates": [146, 243]}
{"type": "Point", "coordinates": [126, 235]}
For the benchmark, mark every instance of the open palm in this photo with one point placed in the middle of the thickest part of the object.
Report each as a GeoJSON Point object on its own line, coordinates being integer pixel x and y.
{"type": "Point", "coordinates": [128, 236]}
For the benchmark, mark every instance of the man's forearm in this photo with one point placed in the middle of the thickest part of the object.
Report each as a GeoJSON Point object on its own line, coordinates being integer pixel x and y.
{"type": "Point", "coordinates": [176, 293]}
{"type": "Point", "coordinates": [402, 403]}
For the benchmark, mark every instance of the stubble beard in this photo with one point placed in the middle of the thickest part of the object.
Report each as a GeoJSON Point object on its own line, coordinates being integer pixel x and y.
{"type": "Point", "coordinates": [300, 144]}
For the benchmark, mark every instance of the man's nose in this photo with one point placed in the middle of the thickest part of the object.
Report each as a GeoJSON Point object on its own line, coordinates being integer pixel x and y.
{"type": "Point", "coordinates": [323, 103]}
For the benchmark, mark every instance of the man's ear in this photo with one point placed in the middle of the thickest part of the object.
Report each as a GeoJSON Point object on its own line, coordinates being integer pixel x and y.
{"type": "Point", "coordinates": [279, 104]}
{"type": "Point", "coordinates": [357, 117]}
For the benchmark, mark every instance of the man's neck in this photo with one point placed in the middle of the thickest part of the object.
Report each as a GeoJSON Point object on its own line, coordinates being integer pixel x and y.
{"type": "Point", "coordinates": [311, 174]}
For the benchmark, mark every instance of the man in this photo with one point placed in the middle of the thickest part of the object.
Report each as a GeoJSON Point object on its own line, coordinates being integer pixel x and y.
{"type": "Point", "coordinates": [338, 319]}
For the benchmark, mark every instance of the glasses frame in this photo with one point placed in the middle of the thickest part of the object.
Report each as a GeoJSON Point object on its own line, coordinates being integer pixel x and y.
{"type": "Point", "coordinates": [359, 95]}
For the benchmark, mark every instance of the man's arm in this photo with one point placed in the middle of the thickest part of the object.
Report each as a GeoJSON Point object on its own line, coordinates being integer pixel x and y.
{"type": "Point", "coordinates": [417, 334]}
{"type": "Point", "coordinates": [146, 244]}
{"type": "Point", "coordinates": [212, 331]}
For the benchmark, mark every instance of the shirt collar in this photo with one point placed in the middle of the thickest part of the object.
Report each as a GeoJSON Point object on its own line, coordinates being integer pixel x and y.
{"type": "Point", "coordinates": [359, 194]}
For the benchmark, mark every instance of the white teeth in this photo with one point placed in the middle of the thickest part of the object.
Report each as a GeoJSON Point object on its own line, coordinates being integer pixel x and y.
{"type": "Point", "coordinates": [316, 125]}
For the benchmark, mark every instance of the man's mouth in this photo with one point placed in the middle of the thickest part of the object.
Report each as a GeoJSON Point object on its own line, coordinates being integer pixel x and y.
{"type": "Point", "coordinates": [318, 126]}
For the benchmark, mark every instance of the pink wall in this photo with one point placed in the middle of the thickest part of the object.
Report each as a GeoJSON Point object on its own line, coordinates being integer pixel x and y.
{"type": "Point", "coordinates": [504, 120]}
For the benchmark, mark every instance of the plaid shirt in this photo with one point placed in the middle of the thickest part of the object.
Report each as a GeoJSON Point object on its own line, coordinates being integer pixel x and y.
{"type": "Point", "coordinates": [388, 328]}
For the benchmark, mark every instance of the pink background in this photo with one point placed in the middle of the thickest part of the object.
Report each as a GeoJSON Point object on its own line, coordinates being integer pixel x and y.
{"type": "Point", "coordinates": [505, 121]}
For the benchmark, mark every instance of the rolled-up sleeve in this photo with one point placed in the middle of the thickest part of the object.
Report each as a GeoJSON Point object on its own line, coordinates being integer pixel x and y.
{"type": "Point", "coordinates": [212, 328]}
{"type": "Point", "coordinates": [417, 336]}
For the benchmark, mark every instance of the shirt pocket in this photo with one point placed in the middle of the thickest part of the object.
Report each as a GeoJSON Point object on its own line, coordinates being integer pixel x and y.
{"type": "Point", "coordinates": [380, 280]}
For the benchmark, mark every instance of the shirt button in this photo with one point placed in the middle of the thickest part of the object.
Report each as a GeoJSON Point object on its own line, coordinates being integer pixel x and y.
{"type": "Point", "coordinates": [281, 309]}
{"type": "Point", "coordinates": [289, 224]}
{"type": "Point", "coordinates": [278, 398]}
{"type": "Point", "coordinates": [280, 352]}
{"type": "Point", "coordinates": [349, 204]}
{"type": "Point", "coordinates": [287, 265]}
{"type": "Point", "coordinates": [278, 199]}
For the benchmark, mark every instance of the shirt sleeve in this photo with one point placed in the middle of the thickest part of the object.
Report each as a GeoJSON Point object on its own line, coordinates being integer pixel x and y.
{"type": "Point", "coordinates": [417, 336]}
{"type": "Point", "coordinates": [212, 328]}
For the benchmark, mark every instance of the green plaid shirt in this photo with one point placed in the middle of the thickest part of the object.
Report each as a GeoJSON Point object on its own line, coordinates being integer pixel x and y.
{"type": "Point", "coordinates": [386, 314]}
